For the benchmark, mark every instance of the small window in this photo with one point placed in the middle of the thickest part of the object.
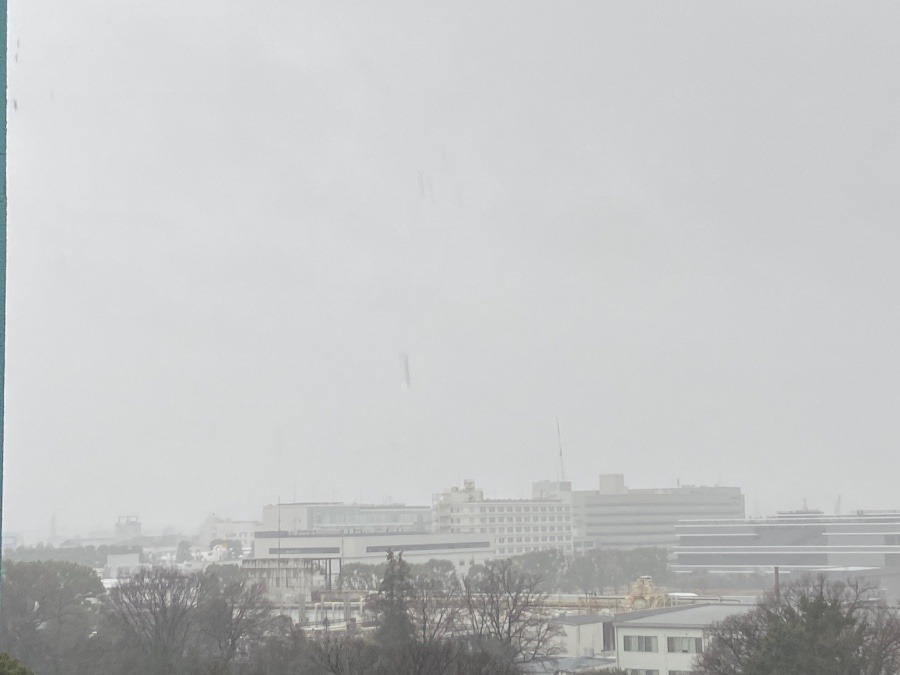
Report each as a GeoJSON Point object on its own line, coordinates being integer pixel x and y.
{"type": "Point", "coordinates": [685, 645]}
{"type": "Point", "coordinates": [641, 643]}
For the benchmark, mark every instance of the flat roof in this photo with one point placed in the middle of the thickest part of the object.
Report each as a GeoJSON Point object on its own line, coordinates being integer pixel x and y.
{"type": "Point", "coordinates": [694, 616]}
{"type": "Point", "coordinates": [359, 506]}
{"type": "Point", "coordinates": [266, 534]}
{"type": "Point", "coordinates": [582, 619]}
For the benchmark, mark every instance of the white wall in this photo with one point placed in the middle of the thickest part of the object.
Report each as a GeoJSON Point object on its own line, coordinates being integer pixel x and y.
{"type": "Point", "coordinates": [660, 660]}
{"type": "Point", "coordinates": [582, 640]}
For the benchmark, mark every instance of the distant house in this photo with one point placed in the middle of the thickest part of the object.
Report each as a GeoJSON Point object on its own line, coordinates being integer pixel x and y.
{"type": "Point", "coordinates": [121, 565]}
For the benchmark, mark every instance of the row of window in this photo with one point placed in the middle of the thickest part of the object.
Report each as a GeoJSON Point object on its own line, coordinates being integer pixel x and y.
{"type": "Point", "coordinates": [503, 540]}
{"type": "Point", "coordinates": [526, 519]}
{"type": "Point", "coordinates": [522, 549]}
{"type": "Point", "coordinates": [519, 519]}
{"type": "Point", "coordinates": [509, 530]}
{"type": "Point", "coordinates": [675, 645]}
{"type": "Point", "coordinates": [510, 509]}
{"type": "Point", "coordinates": [544, 528]}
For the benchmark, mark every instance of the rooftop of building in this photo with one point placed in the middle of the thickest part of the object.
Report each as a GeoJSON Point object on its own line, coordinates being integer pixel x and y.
{"type": "Point", "coordinates": [521, 500]}
{"type": "Point", "coordinates": [792, 519]}
{"type": "Point", "coordinates": [583, 619]}
{"type": "Point", "coordinates": [691, 616]}
{"type": "Point", "coordinates": [570, 664]}
{"type": "Point", "coordinates": [273, 534]}
{"type": "Point", "coordinates": [352, 505]}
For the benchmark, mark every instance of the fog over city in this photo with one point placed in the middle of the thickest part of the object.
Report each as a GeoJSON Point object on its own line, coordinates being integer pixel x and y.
{"type": "Point", "coordinates": [364, 251]}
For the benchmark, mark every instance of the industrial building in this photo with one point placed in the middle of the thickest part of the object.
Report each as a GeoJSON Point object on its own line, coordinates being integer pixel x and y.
{"type": "Point", "coordinates": [798, 540]}
{"type": "Point", "coordinates": [514, 526]}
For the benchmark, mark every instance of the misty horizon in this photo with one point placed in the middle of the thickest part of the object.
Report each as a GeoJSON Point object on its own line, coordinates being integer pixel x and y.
{"type": "Point", "coordinates": [351, 252]}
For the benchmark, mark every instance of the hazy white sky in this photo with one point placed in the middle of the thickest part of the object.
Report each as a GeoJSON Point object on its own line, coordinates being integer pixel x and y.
{"type": "Point", "coordinates": [673, 225]}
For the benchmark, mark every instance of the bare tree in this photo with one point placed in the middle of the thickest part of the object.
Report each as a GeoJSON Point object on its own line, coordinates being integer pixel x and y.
{"type": "Point", "coordinates": [505, 605]}
{"type": "Point", "coordinates": [157, 610]}
{"type": "Point", "coordinates": [233, 614]}
{"type": "Point", "coordinates": [346, 656]}
{"type": "Point", "coordinates": [436, 613]}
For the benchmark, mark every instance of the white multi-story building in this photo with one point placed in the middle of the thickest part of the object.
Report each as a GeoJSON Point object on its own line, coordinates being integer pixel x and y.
{"type": "Point", "coordinates": [214, 528]}
{"type": "Point", "coordinates": [515, 525]}
{"type": "Point", "coordinates": [667, 641]}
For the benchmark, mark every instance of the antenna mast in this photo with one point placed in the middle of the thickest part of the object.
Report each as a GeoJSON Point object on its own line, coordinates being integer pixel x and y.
{"type": "Point", "coordinates": [562, 466]}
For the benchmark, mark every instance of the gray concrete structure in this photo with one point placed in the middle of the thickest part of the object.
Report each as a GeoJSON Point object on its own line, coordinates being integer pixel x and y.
{"type": "Point", "coordinates": [810, 540]}
{"type": "Point", "coordinates": [616, 516]}
{"type": "Point", "coordinates": [338, 517]}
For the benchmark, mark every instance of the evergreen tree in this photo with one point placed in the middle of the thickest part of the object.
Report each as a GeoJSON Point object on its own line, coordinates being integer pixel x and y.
{"type": "Point", "coordinates": [12, 666]}
{"type": "Point", "coordinates": [813, 628]}
{"type": "Point", "coordinates": [391, 604]}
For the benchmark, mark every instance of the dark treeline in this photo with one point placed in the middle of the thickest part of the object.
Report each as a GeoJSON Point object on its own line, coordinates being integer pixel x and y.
{"type": "Point", "coordinates": [90, 556]}
{"type": "Point", "coordinates": [57, 619]}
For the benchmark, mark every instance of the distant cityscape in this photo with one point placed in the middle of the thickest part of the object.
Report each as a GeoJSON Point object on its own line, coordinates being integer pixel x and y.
{"type": "Point", "coordinates": [658, 567]}
{"type": "Point", "coordinates": [299, 547]}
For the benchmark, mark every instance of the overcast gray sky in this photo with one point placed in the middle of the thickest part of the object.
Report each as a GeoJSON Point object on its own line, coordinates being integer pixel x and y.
{"type": "Point", "coordinates": [673, 225]}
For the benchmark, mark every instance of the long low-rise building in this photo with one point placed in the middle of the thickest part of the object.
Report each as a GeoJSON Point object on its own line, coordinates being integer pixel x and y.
{"type": "Point", "coordinates": [337, 517]}
{"type": "Point", "coordinates": [463, 550]}
{"type": "Point", "coordinates": [803, 540]}
{"type": "Point", "coordinates": [291, 565]}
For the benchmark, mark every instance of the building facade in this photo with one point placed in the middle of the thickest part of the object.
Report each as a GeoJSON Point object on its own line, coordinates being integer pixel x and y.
{"type": "Point", "coordinates": [616, 516]}
{"type": "Point", "coordinates": [586, 634]}
{"type": "Point", "coordinates": [666, 641]}
{"type": "Point", "coordinates": [294, 565]}
{"type": "Point", "coordinates": [514, 526]}
{"type": "Point", "coordinates": [799, 540]}
{"type": "Point", "coordinates": [371, 548]}
{"type": "Point", "coordinates": [337, 517]}
{"type": "Point", "coordinates": [225, 529]}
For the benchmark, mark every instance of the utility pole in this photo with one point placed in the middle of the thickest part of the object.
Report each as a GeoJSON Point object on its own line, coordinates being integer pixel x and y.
{"type": "Point", "coordinates": [777, 585]}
